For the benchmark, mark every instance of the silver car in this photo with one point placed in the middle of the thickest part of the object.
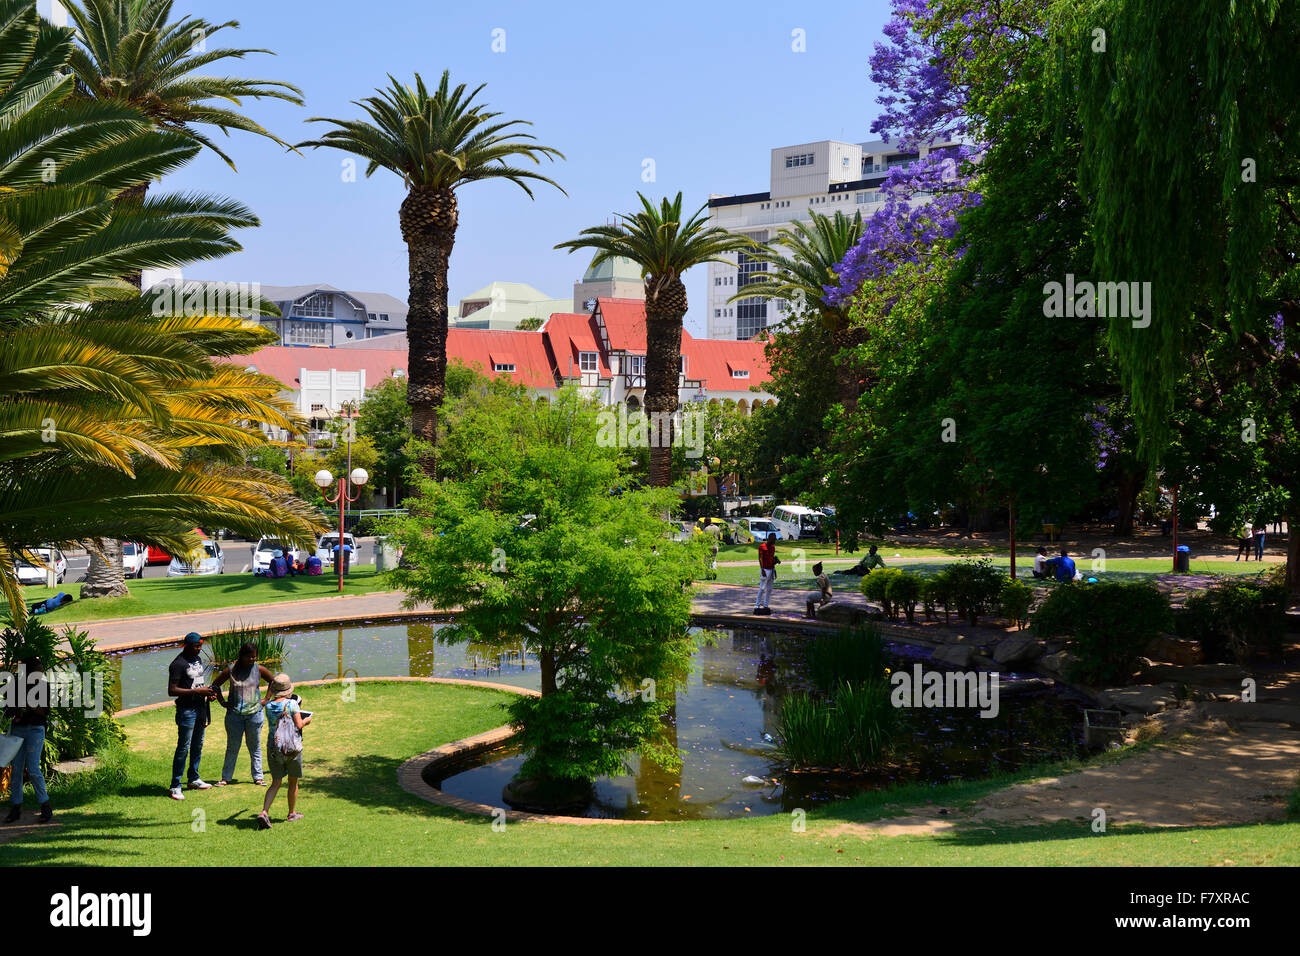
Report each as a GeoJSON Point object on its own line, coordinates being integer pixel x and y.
{"type": "Point", "coordinates": [213, 561]}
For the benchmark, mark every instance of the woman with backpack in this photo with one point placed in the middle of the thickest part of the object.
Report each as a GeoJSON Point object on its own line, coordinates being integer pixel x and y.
{"type": "Point", "coordinates": [285, 720]}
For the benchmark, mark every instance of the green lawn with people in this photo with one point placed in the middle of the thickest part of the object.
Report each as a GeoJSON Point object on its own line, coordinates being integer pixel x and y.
{"type": "Point", "coordinates": [180, 595]}
{"type": "Point", "coordinates": [356, 814]}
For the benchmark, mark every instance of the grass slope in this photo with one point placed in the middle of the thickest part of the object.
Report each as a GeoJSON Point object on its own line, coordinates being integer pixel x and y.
{"type": "Point", "coordinates": [356, 815]}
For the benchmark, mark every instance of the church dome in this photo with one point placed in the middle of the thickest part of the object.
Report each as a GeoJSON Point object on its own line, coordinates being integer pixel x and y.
{"type": "Point", "coordinates": [612, 269]}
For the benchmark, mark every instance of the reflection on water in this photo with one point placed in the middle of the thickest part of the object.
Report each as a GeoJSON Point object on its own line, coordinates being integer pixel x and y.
{"type": "Point", "coordinates": [723, 718]}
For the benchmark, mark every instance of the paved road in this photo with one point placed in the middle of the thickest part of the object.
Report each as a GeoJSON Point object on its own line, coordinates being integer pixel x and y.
{"type": "Point", "coordinates": [239, 560]}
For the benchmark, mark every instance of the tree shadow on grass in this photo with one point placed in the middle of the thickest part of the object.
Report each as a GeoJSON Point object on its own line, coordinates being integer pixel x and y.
{"type": "Point", "coordinates": [370, 781]}
{"type": "Point", "coordinates": [100, 839]}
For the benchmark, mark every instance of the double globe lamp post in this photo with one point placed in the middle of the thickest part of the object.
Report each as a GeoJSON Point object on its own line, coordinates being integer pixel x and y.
{"type": "Point", "coordinates": [342, 498]}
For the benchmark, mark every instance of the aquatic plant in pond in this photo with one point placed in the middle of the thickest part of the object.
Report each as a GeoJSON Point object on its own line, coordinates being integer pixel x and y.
{"type": "Point", "coordinates": [850, 731]}
{"type": "Point", "coordinates": [223, 646]}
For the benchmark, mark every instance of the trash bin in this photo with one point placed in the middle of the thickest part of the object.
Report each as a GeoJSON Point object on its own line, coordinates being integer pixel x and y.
{"type": "Point", "coordinates": [385, 555]}
{"type": "Point", "coordinates": [1183, 558]}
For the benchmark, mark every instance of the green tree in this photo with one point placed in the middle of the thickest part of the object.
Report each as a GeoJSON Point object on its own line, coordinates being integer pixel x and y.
{"type": "Point", "coordinates": [525, 534]}
{"type": "Point", "coordinates": [436, 142]}
{"type": "Point", "coordinates": [664, 244]}
{"type": "Point", "coordinates": [386, 420]}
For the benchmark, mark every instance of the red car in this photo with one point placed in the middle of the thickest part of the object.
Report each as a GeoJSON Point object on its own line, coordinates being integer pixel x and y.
{"type": "Point", "coordinates": [155, 555]}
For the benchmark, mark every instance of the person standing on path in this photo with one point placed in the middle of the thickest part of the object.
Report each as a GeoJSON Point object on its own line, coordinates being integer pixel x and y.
{"type": "Point", "coordinates": [193, 713]}
{"type": "Point", "coordinates": [280, 706]}
{"type": "Point", "coordinates": [28, 722]}
{"type": "Point", "coordinates": [244, 719]}
{"type": "Point", "coordinates": [767, 562]}
{"type": "Point", "coordinates": [1245, 541]}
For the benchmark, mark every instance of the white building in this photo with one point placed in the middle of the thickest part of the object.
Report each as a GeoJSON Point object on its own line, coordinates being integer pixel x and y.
{"type": "Point", "coordinates": [823, 177]}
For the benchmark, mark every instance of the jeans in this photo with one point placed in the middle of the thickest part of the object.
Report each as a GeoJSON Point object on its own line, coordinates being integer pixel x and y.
{"type": "Point", "coordinates": [31, 756]}
{"type": "Point", "coordinates": [248, 728]}
{"type": "Point", "coordinates": [1259, 547]}
{"type": "Point", "coordinates": [189, 742]}
{"type": "Point", "coordinates": [766, 578]}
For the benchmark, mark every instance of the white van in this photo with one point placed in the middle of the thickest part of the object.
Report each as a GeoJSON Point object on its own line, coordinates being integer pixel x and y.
{"type": "Point", "coordinates": [796, 521]}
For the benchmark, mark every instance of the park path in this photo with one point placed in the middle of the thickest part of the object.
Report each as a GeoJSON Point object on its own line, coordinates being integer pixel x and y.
{"type": "Point", "coordinates": [125, 633]}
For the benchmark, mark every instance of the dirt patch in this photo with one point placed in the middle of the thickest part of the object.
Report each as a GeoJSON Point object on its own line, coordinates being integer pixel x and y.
{"type": "Point", "coordinates": [1215, 779]}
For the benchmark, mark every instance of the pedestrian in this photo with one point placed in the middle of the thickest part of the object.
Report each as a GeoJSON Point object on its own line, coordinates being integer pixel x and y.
{"type": "Point", "coordinates": [824, 588]}
{"type": "Point", "coordinates": [193, 713]}
{"type": "Point", "coordinates": [27, 719]}
{"type": "Point", "coordinates": [280, 705]}
{"type": "Point", "coordinates": [767, 562]}
{"type": "Point", "coordinates": [244, 718]}
{"type": "Point", "coordinates": [1040, 563]}
{"type": "Point", "coordinates": [1260, 531]}
{"type": "Point", "coordinates": [1244, 541]}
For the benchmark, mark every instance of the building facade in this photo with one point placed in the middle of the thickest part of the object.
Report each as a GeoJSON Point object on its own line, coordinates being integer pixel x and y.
{"type": "Point", "coordinates": [823, 177]}
{"type": "Point", "coordinates": [322, 315]}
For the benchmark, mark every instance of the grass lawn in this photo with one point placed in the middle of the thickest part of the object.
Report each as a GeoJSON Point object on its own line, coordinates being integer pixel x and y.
{"type": "Point", "coordinates": [172, 595]}
{"type": "Point", "coordinates": [357, 815]}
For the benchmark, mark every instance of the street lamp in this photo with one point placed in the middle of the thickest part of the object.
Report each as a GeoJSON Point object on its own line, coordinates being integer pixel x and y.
{"type": "Point", "coordinates": [342, 498]}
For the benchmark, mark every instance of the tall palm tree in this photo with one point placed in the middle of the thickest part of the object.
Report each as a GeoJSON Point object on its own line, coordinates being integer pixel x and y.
{"type": "Point", "coordinates": [664, 244]}
{"type": "Point", "coordinates": [437, 142]}
{"type": "Point", "coordinates": [816, 248]}
{"type": "Point", "coordinates": [131, 52]}
{"type": "Point", "coordinates": [101, 399]}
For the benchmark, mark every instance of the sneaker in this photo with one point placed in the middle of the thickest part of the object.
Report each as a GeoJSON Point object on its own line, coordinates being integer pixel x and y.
{"type": "Point", "coordinates": [199, 785]}
{"type": "Point", "coordinates": [175, 793]}
{"type": "Point", "coordinates": [263, 821]}
{"type": "Point", "coordinates": [15, 813]}
{"type": "Point", "coordinates": [47, 814]}
{"type": "Point", "coordinates": [222, 783]}
{"type": "Point", "coordinates": [295, 816]}
{"type": "Point", "coordinates": [259, 782]}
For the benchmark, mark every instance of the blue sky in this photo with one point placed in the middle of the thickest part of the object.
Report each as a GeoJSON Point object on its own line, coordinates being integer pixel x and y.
{"type": "Point", "coordinates": [703, 89]}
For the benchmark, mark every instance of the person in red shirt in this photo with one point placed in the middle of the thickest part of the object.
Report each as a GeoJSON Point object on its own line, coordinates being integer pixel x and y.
{"type": "Point", "coordinates": [767, 562]}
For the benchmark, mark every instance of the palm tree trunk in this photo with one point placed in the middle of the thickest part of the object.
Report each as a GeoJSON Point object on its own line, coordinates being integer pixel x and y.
{"type": "Point", "coordinates": [848, 387]}
{"type": "Point", "coordinates": [663, 340]}
{"type": "Point", "coordinates": [105, 577]}
{"type": "Point", "coordinates": [428, 219]}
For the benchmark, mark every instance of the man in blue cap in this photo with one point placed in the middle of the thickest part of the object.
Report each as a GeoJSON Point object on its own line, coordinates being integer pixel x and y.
{"type": "Point", "coordinates": [193, 713]}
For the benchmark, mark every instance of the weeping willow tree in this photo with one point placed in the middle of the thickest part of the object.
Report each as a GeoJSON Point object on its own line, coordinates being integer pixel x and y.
{"type": "Point", "coordinates": [1191, 167]}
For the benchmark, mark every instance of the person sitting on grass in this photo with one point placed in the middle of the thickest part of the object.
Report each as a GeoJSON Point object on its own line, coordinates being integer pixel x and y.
{"type": "Point", "coordinates": [867, 564]}
{"type": "Point", "coordinates": [1065, 570]}
{"type": "Point", "coordinates": [280, 705]}
{"type": "Point", "coordinates": [1041, 562]}
{"type": "Point", "coordinates": [824, 587]}
{"type": "Point", "coordinates": [244, 717]}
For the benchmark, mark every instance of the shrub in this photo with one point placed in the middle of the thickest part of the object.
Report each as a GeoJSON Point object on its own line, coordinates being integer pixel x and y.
{"type": "Point", "coordinates": [904, 590]}
{"type": "Point", "coordinates": [71, 731]}
{"type": "Point", "coordinates": [1234, 619]}
{"type": "Point", "coordinates": [875, 587]}
{"type": "Point", "coordinates": [1111, 623]}
{"type": "Point", "coordinates": [853, 731]}
{"type": "Point", "coordinates": [852, 655]}
{"type": "Point", "coordinates": [1014, 599]}
{"type": "Point", "coordinates": [936, 592]}
{"type": "Point", "coordinates": [223, 646]}
{"type": "Point", "coordinates": [973, 588]}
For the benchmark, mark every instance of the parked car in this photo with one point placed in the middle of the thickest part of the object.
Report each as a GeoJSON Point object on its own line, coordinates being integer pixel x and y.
{"type": "Point", "coordinates": [796, 521]}
{"type": "Point", "coordinates": [154, 555]}
{"type": "Point", "coordinates": [213, 561]}
{"type": "Point", "coordinates": [751, 529]}
{"type": "Point", "coordinates": [328, 542]}
{"type": "Point", "coordinates": [703, 524]}
{"type": "Point", "coordinates": [29, 573]}
{"type": "Point", "coordinates": [265, 550]}
{"type": "Point", "coordinates": [134, 558]}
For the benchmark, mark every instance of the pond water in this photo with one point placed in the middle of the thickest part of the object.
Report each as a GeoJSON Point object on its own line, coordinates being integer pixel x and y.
{"type": "Point", "coordinates": [724, 720]}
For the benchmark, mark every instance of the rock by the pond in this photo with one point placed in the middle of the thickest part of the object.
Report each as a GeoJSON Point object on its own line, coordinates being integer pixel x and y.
{"type": "Point", "coordinates": [752, 781]}
{"type": "Point", "coordinates": [1056, 663]}
{"type": "Point", "coordinates": [1017, 650]}
{"type": "Point", "coordinates": [838, 612]}
{"type": "Point", "coordinates": [1140, 698]}
{"type": "Point", "coordinates": [1175, 650]}
{"type": "Point", "coordinates": [956, 654]}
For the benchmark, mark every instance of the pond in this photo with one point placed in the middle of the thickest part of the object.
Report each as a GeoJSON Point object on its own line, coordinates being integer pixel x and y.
{"type": "Point", "coordinates": [724, 720]}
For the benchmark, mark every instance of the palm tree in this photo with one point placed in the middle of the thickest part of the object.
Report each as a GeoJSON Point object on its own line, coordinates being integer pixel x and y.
{"type": "Point", "coordinates": [102, 400]}
{"type": "Point", "coordinates": [132, 53]}
{"type": "Point", "coordinates": [664, 245]}
{"type": "Point", "coordinates": [437, 143]}
{"type": "Point", "coordinates": [816, 248]}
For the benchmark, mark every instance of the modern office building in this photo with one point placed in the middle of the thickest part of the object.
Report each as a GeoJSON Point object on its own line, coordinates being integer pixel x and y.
{"type": "Point", "coordinates": [823, 177]}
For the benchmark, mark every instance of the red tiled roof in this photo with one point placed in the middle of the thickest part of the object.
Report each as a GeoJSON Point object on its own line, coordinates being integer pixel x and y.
{"type": "Point", "coordinates": [625, 323]}
{"type": "Point", "coordinates": [567, 334]}
{"type": "Point", "coordinates": [712, 361]}
{"type": "Point", "coordinates": [284, 362]}
{"type": "Point", "coordinates": [524, 350]}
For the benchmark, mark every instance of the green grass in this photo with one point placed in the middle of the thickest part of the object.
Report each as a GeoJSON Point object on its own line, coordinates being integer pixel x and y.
{"type": "Point", "coordinates": [175, 595]}
{"type": "Point", "coordinates": [357, 815]}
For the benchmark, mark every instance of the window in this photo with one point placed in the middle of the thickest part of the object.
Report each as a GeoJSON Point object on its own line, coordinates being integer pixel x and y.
{"type": "Point", "coordinates": [383, 316]}
{"type": "Point", "coordinates": [307, 333]}
{"type": "Point", "coordinates": [370, 316]}
{"type": "Point", "coordinates": [681, 366]}
{"type": "Point", "coordinates": [865, 197]}
{"type": "Point", "coordinates": [320, 305]}
{"type": "Point", "coordinates": [740, 372]}
{"type": "Point", "coordinates": [798, 159]}
{"type": "Point", "coordinates": [587, 362]}
{"type": "Point", "coordinates": [717, 313]}
{"type": "Point", "coordinates": [503, 366]}
{"type": "Point", "coordinates": [636, 364]}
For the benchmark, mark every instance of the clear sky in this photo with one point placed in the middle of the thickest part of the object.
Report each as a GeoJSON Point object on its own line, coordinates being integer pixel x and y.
{"type": "Point", "coordinates": [705, 89]}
